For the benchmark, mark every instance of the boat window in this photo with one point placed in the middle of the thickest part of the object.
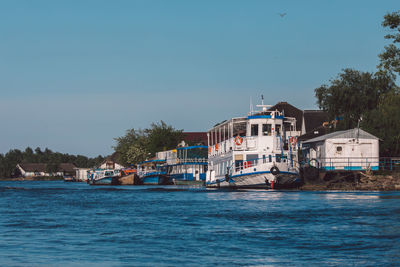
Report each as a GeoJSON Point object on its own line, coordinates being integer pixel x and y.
{"type": "Point", "coordinates": [254, 130]}
{"type": "Point", "coordinates": [339, 149]}
{"type": "Point", "coordinates": [278, 129]}
{"type": "Point", "coordinates": [266, 129]}
{"type": "Point", "coordinates": [278, 157]}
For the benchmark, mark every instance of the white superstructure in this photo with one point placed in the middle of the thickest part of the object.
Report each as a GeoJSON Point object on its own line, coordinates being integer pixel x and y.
{"type": "Point", "coordinates": [253, 151]}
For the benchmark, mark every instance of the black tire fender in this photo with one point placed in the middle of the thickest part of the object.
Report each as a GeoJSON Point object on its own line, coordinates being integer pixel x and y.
{"type": "Point", "coordinates": [274, 170]}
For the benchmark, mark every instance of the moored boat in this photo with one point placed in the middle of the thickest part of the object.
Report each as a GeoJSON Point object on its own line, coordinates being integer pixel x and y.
{"type": "Point", "coordinates": [256, 151]}
{"type": "Point", "coordinates": [186, 165]}
{"type": "Point", "coordinates": [104, 177]}
{"type": "Point", "coordinates": [152, 172]}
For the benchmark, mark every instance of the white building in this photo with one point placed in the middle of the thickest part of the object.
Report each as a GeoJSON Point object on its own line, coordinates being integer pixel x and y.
{"type": "Point", "coordinates": [81, 174]}
{"type": "Point", "coordinates": [41, 169]}
{"type": "Point", "coordinates": [111, 162]}
{"type": "Point", "coordinates": [353, 149]}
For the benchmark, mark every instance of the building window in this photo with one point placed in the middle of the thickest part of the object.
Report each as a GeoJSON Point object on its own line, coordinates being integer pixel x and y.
{"type": "Point", "coordinates": [254, 130]}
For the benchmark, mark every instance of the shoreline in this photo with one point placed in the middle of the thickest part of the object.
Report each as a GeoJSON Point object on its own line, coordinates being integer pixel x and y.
{"type": "Point", "coordinates": [359, 181]}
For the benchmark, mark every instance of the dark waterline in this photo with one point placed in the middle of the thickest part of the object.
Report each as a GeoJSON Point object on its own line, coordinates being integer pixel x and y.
{"type": "Point", "coordinates": [57, 223]}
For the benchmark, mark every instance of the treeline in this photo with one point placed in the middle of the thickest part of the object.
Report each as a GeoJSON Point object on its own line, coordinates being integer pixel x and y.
{"type": "Point", "coordinates": [9, 161]}
{"type": "Point", "coordinates": [369, 100]}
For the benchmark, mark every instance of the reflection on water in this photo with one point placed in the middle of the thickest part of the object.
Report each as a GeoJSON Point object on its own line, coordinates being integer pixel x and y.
{"type": "Point", "coordinates": [56, 223]}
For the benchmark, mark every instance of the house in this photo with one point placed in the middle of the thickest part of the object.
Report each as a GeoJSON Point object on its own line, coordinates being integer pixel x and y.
{"type": "Point", "coordinates": [111, 162]}
{"type": "Point", "coordinates": [41, 169]}
{"type": "Point", "coordinates": [353, 149]}
{"type": "Point", "coordinates": [307, 121]}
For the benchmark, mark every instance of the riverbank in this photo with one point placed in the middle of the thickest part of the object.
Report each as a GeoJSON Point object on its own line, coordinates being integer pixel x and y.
{"type": "Point", "coordinates": [40, 178]}
{"type": "Point", "coordinates": [354, 181]}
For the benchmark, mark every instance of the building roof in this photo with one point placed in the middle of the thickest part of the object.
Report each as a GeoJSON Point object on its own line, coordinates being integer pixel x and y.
{"type": "Point", "coordinates": [195, 137]}
{"type": "Point", "coordinates": [113, 158]}
{"type": "Point", "coordinates": [321, 130]}
{"type": "Point", "coordinates": [66, 167]}
{"type": "Point", "coordinates": [314, 119]}
{"type": "Point", "coordinates": [352, 133]}
{"type": "Point", "coordinates": [289, 111]}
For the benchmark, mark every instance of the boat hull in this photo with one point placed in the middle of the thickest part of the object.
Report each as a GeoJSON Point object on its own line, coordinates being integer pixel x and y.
{"type": "Point", "coordinates": [262, 180]}
{"type": "Point", "coordinates": [105, 181]}
{"type": "Point", "coordinates": [155, 180]}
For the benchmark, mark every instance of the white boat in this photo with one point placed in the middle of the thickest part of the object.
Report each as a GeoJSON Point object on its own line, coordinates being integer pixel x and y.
{"type": "Point", "coordinates": [256, 151]}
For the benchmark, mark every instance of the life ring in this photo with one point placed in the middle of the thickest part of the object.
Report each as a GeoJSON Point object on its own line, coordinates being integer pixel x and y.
{"type": "Point", "coordinates": [275, 171]}
{"type": "Point", "coordinates": [238, 140]}
{"type": "Point", "coordinates": [293, 140]}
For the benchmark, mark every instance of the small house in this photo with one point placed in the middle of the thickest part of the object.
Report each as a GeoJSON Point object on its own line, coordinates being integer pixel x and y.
{"type": "Point", "coordinates": [353, 149]}
{"type": "Point", "coordinates": [111, 162]}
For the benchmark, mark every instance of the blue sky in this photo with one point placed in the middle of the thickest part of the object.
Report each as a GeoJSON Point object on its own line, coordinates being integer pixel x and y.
{"type": "Point", "coordinates": [76, 74]}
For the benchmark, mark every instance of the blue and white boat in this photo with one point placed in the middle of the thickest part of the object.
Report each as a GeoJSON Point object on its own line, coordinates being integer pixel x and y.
{"type": "Point", "coordinates": [256, 151]}
{"type": "Point", "coordinates": [104, 177]}
{"type": "Point", "coordinates": [153, 172]}
{"type": "Point", "coordinates": [186, 164]}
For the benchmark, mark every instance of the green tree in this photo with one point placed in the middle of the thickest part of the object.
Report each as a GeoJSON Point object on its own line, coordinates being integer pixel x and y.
{"type": "Point", "coordinates": [352, 95]}
{"type": "Point", "coordinates": [384, 123]}
{"type": "Point", "coordinates": [137, 145]}
{"type": "Point", "coordinates": [390, 57]}
{"type": "Point", "coordinates": [162, 137]}
{"type": "Point", "coordinates": [132, 137]}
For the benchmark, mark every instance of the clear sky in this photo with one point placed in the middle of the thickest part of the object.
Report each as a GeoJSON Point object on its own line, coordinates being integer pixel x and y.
{"type": "Point", "coordinates": [74, 74]}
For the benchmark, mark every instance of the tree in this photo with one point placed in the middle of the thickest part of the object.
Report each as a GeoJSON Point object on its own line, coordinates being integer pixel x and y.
{"type": "Point", "coordinates": [162, 137]}
{"type": "Point", "coordinates": [384, 123]}
{"type": "Point", "coordinates": [352, 95]}
{"type": "Point", "coordinates": [136, 138]}
{"type": "Point", "coordinates": [137, 145]}
{"type": "Point", "coordinates": [390, 58]}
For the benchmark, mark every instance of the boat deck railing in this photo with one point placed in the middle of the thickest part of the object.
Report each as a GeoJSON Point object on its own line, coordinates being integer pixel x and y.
{"type": "Point", "coordinates": [277, 158]}
{"type": "Point", "coordinates": [188, 161]}
{"type": "Point", "coordinates": [354, 163]}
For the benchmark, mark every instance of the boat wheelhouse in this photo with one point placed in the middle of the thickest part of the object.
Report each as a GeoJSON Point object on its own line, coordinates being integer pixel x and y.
{"type": "Point", "coordinates": [187, 164]}
{"type": "Point", "coordinates": [153, 172]}
{"type": "Point", "coordinates": [257, 151]}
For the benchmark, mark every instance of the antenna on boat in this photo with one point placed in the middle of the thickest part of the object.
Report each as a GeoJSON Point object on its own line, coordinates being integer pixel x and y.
{"type": "Point", "coordinates": [264, 107]}
{"type": "Point", "coordinates": [251, 106]}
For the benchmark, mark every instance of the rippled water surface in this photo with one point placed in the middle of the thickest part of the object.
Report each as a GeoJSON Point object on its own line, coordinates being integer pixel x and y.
{"type": "Point", "coordinates": [57, 223]}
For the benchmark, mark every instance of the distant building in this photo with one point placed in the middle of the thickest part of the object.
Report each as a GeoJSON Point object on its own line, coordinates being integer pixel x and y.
{"type": "Point", "coordinates": [41, 169]}
{"type": "Point", "coordinates": [81, 174]}
{"type": "Point", "coordinates": [352, 149]}
{"type": "Point", "coordinates": [195, 138]}
{"type": "Point", "coordinates": [111, 162]}
{"type": "Point", "coordinates": [307, 121]}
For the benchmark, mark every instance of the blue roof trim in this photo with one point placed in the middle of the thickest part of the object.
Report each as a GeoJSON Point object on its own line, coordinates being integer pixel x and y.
{"type": "Point", "coordinates": [264, 117]}
{"type": "Point", "coordinates": [191, 147]}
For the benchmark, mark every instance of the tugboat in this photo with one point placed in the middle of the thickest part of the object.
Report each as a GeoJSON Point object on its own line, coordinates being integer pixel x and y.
{"type": "Point", "coordinates": [153, 172]}
{"type": "Point", "coordinates": [256, 151]}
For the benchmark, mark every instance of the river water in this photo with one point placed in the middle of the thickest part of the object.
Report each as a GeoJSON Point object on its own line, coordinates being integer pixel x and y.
{"type": "Point", "coordinates": [57, 223]}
